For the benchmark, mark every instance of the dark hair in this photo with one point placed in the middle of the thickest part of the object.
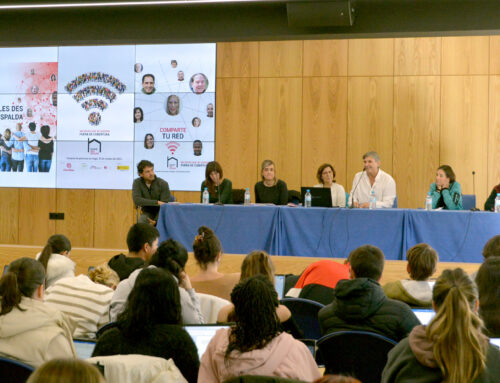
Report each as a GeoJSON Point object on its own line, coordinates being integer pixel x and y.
{"type": "Point", "coordinates": [320, 172]}
{"type": "Point", "coordinates": [142, 113]}
{"type": "Point", "coordinates": [488, 282]}
{"type": "Point", "coordinates": [146, 138]}
{"type": "Point", "coordinates": [148, 75]}
{"type": "Point", "coordinates": [56, 244]}
{"type": "Point", "coordinates": [195, 141]}
{"type": "Point", "coordinates": [32, 126]}
{"type": "Point", "coordinates": [45, 130]}
{"type": "Point", "coordinates": [367, 262]}
{"type": "Point", "coordinates": [255, 301]}
{"type": "Point", "coordinates": [448, 171]}
{"type": "Point", "coordinates": [22, 278]}
{"type": "Point", "coordinates": [422, 260]}
{"type": "Point", "coordinates": [212, 166]}
{"type": "Point", "coordinates": [171, 256]}
{"type": "Point", "coordinates": [154, 300]}
{"type": "Point", "coordinates": [144, 164]}
{"type": "Point", "coordinates": [258, 262]}
{"type": "Point", "coordinates": [140, 234]}
{"type": "Point", "coordinates": [206, 247]}
{"type": "Point", "coordinates": [492, 247]}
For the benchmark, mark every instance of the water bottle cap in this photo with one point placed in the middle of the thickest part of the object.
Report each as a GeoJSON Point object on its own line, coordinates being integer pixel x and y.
{"type": "Point", "coordinates": [308, 190]}
{"type": "Point", "coordinates": [206, 189]}
{"type": "Point", "coordinates": [498, 194]}
{"type": "Point", "coordinates": [247, 189]}
{"type": "Point", "coordinates": [429, 194]}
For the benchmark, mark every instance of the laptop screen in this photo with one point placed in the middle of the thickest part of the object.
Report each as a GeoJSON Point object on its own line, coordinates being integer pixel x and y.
{"type": "Point", "coordinates": [424, 315]}
{"type": "Point", "coordinates": [84, 348]}
{"type": "Point", "coordinates": [279, 284]}
{"type": "Point", "coordinates": [495, 341]}
{"type": "Point", "coordinates": [202, 335]}
{"type": "Point", "coordinates": [320, 197]}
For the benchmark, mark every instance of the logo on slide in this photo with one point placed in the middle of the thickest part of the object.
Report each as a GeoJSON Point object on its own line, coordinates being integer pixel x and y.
{"type": "Point", "coordinates": [172, 162]}
{"type": "Point", "coordinates": [172, 146]}
{"type": "Point", "coordinates": [87, 91]}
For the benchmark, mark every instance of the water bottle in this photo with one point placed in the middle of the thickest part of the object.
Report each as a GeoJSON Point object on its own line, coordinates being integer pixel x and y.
{"type": "Point", "coordinates": [206, 197]}
{"type": "Point", "coordinates": [247, 200]}
{"type": "Point", "coordinates": [373, 200]}
{"type": "Point", "coordinates": [497, 203]}
{"type": "Point", "coordinates": [307, 199]}
{"type": "Point", "coordinates": [428, 202]}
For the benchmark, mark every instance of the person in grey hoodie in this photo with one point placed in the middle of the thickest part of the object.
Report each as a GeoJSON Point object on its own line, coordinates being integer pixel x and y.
{"type": "Point", "coordinates": [452, 348]}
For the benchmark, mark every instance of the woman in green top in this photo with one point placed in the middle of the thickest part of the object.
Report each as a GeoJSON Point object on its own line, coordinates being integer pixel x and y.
{"type": "Point", "coordinates": [216, 184]}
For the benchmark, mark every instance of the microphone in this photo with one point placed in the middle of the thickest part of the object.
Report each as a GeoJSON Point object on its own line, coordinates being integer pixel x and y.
{"type": "Point", "coordinates": [474, 189]}
{"type": "Point", "coordinates": [218, 190]}
{"type": "Point", "coordinates": [355, 187]}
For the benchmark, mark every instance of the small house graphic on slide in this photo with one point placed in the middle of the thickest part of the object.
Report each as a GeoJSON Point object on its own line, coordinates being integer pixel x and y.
{"type": "Point", "coordinates": [94, 146]}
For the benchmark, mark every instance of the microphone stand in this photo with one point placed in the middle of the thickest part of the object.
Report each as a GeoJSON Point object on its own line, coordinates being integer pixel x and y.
{"type": "Point", "coordinates": [218, 191]}
{"type": "Point", "coordinates": [355, 187]}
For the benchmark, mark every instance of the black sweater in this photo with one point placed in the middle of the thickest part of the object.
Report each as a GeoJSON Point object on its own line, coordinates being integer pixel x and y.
{"type": "Point", "coordinates": [166, 341]}
{"type": "Point", "coordinates": [277, 194]}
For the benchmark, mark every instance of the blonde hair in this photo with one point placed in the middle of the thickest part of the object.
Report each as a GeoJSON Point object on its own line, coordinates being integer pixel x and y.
{"type": "Point", "coordinates": [66, 370]}
{"type": "Point", "coordinates": [104, 275]}
{"type": "Point", "coordinates": [257, 262]}
{"type": "Point", "coordinates": [264, 165]}
{"type": "Point", "coordinates": [456, 330]}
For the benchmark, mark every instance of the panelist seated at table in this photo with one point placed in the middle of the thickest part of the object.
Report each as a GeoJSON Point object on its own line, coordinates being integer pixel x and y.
{"type": "Point", "coordinates": [446, 192]}
{"type": "Point", "coordinates": [216, 184]}
{"type": "Point", "coordinates": [270, 189]}
{"type": "Point", "coordinates": [489, 205]}
{"type": "Point", "coordinates": [149, 192]}
{"type": "Point", "coordinates": [372, 178]}
{"type": "Point", "coordinates": [326, 178]}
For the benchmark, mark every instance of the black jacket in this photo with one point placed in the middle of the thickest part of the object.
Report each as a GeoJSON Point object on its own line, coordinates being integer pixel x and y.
{"type": "Point", "coordinates": [165, 341]}
{"type": "Point", "coordinates": [360, 304]}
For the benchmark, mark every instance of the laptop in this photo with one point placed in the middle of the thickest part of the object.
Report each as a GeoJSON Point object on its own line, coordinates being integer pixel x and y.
{"type": "Point", "coordinates": [279, 285]}
{"type": "Point", "coordinates": [84, 348]}
{"type": "Point", "coordinates": [495, 341]}
{"type": "Point", "coordinates": [320, 197]}
{"type": "Point", "coordinates": [202, 335]}
{"type": "Point", "coordinates": [424, 315]}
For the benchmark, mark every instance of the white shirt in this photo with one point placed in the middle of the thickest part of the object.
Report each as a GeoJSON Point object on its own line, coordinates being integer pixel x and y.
{"type": "Point", "coordinates": [338, 194]}
{"type": "Point", "coordinates": [384, 186]}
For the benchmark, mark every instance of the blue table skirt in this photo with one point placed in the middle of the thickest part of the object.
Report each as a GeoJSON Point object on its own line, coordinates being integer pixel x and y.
{"type": "Point", "coordinates": [319, 232]}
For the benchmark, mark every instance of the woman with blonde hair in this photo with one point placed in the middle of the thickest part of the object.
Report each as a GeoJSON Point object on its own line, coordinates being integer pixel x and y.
{"type": "Point", "coordinates": [270, 189]}
{"type": "Point", "coordinates": [66, 370]}
{"type": "Point", "coordinates": [452, 348]}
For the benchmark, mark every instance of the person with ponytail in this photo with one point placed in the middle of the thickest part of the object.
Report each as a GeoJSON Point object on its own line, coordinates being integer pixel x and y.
{"type": "Point", "coordinates": [452, 347]}
{"type": "Point", "coordinates": [31, 331]}
{"type": "Point", "coordinates": [258, 262]}
{"type": "Point", "coordinates": [208, 254]}
{"type": "Point", "coordinates": [55, 259]}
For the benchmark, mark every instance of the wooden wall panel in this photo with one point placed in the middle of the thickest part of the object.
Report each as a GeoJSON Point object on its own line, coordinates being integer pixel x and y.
{"type": "Point", "coordinates": [9, 218]}
{"type": "Point", "coordinates": [465, 55]}
{"type": "Point", "coordinates": [280, 120]}
{"type": "Point", "coordinates": [34, 207]}
{"type": "Point", "coordinates": [78, 208]}
{"type": "Point", "coordinates": [324, 127]}
{"type": "Point", "coordinates": [493, 137]}
{"type": "Point", "coordinates": [417, 56]}
{"type": "Point", "coordinates": [237, 128]}
{"type": "Point", "coordinates": [494, 54]}
{"type": "Point", "coordinates": [114, 214]}
{"type": "Point", "coordinates": [187, 196]}
{"type": "Point", "coordinates": [369, 122]}
{"type": "Point", "coordinates": [416, 137]}
{"type": "Point", "coordinates": [238, 59]}
{"type": "Point", "coordinates": [464, 130]}
{"type": "Point", "coordinates": [325, 57]}
{"type": "Point", "coordinates": [371, 57]}
{"type": "Point", "coordinates": [280, 58]}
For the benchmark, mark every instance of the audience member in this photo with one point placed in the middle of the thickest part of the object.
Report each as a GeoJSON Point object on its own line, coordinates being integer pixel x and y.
{"type": "Point", "coordinates": [55, 259]}
{"type": "Point", "coordinates": [489, 205]}
{"type": "Point", "coordinates": [488, 284]}
{"type": "Point", "coordinates": [416, 291]}
{"type": "Point", "coordinates": [66, 370]}
{"type": "Point", "coordinates": [317, 282]}
{"type": "Point", "coordinates": [360, 303]}
{"type": "Point", "coordinates": [84, 300]}
{"type": "Point", "coordinates": [151, 324]}
{"type": "Point", "coordinates": [172, 257]}
{"type": "Point", "coordinates": [492, 247]}
{"type": "Point", "coordinates": [31, 331]}
{"type": "Point", "coordinates": [326, 178]}
{"type": "Point", "coordinates": [337, 379]}
{"type": "Point", "coordinates": [270, 189]}
{"type": "Point", "coordinates": [208, 254]}
{"type": "Point", "coordinates": [256, 345]}
{"type": "Point", "coordinates": [142, 242]}
{"type": "Point", "coordinates": [216, 184]}
{"type": "Point", "coordinates": [446, 192]}
{"type": "Point", "coordinates": [451, 348]}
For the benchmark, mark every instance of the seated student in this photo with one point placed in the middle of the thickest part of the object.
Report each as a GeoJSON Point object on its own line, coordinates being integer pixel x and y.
{"type": "Point", "coordinates": [256, 345]}
{"type": "Point", "coordinates": [488, 282]}
{"type": "Point", "coordinates": [216, 184]}
{"type": "Point", "coordinates": [259, 263]}
{"type": "Point", "coordinates": [451, 348]}
{"type": "Point", "coordinates": [172, 257]}
{"type": "Point", "coordinates": [490, 249]}
{"type": "Point", "coordinates": [142, 242]}
{"type": "Point", "coordinates": [270, 189]}
{"type": "Point", "coordinates": [66, 370]}
{"type": "Point", "coordinates": [489, 205]}
{"type": "Point", "coordinates": [151, 324]}
{"type": "Point", "coordinates": [360, 303]}
{"type": "Point", "coordinates": [446, 192]}
{"type": "Point", "coordinates": [55, 259]}
{"type": "Point", "coordinates": [416, 291]}
{"type": "Point", "coordinates": [318, 281]}
{"type": "Point", "coordinates": [208, 254]}
{"type": "Point", "coordinates": [84, 299]}
{"type": "Point", "coordinates": [31, 331]}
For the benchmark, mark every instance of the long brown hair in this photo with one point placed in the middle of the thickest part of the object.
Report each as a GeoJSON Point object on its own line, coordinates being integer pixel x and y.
{"type": "Point", "coordinates": [255, 263]}
{"type": "Point", "coordinates": [212, 166]}
{"type": "Point", "coordinates": [66, 370]}
{"type": "Point", "coordinates": [56, 244]}
{"type": "Point", "coordinates": [206, 247]}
